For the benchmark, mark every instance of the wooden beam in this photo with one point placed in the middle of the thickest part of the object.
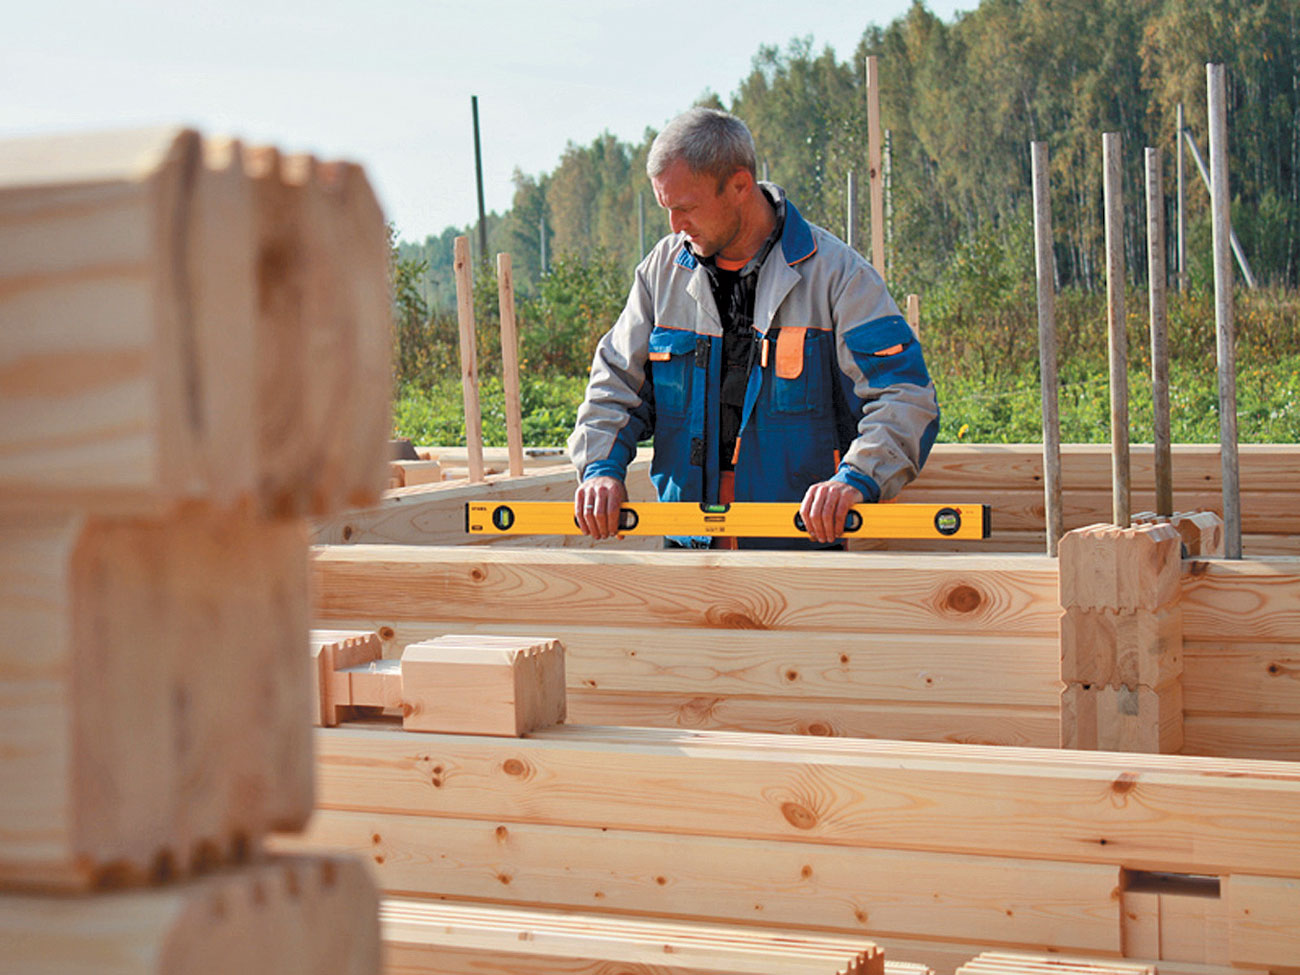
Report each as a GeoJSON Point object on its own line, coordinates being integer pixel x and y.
{"type": "Point", "coordinates": [860, 891]}
{"type": "Point", "coordinates": [434, 514]}
{"type": "Point", "coordinates": [882, 667]}
{"type": "Point", "coordinates": [153, 694]}
{"type": "Point", "coordinates": [451, 938]}
{"type": "Point", "coordinates": [464, 274]}
{"type": "Point", "coordinates": [483, 685]}
{"type": "Point", "coordinates": [1218, 595]}
{"type": "Point", "coordinates": [286, 916]}
{"type": "Point", "coordinates": [1155, 812]}
{"type": "Point", "coordinates": [731, 590]}
{"type": "Point", "coordinates": [160, 313]}
{"type": "Point", "coordinates": [1262, 914]}
{"type": "Point", "coordinates": [510, 364]}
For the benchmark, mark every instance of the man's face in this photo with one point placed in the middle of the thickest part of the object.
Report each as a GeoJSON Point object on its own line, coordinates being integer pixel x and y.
{"type": "Point", "coordinates": [709, 217]}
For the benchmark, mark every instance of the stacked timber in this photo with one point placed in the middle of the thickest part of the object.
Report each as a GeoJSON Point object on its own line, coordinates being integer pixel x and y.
{"type": "Point", "coordinates": [1002, 963]}
{"type": "Point", "coordinates": [423, 936]}
{"type": "Point", "coordinates": [861, 645]}
{"type": "Point", "coordinates": [193, 358]}
{"type": "Point", "coordinates": [1122, 638]}
{"type": "Point", "coordinates": [934, 852]}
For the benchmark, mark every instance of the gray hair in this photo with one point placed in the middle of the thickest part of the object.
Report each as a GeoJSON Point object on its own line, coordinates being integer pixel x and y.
{"type": "Point", "coordinates": [707, 140]}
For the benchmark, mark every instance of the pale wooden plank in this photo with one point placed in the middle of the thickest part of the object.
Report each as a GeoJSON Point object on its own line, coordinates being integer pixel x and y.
{"type": "Point", "coordinates": [991, 725]}
{"type": "Point", "coordinates": [482, 685]}
{"type": "Point", "coordinates": [1155, 811]}
{"type": "Point", "coordinates": [901, 667]}
{"type": "Point", "coordinates": [287, 916]}
{"type": "Point", "coordinates": [1241, 678]}
{"type": "Point", "coordinates": [1268, 737]}
{"type": "Point", "coordinates": [861, 891]}
{"type": "Point", "coordinates": [727, 590]}
{"type": "Point", "coordinates": [447, 937]}
{"type": "Point", "coordinates": [159, 314]}
{"type": "Point", "coordinates": [161, 694]}
{"type": "Point", "coordinates": [1262, 914]}
{"type": "Point", "coordinates": [1218, 594]}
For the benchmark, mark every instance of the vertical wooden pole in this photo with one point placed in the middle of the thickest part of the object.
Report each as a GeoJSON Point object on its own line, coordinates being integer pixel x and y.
{"type": "Point", "coordinates": [888, 166]}
{"type": "Point", "coordinates": [851, 210]}
{"type": "Point", "coordinates": [875, 172]}
{"type": "Point", "coordinates": [1156, 273]}
{"type": "Point", "coordinates": [914, 313]}
{"type": "Point", "coordinates": [1044, 264]}
{"type": "Point", "coordinates": [1118, 341]}
{"type": "Point", "coordinates": [478, 176]}
{"type": "Point", "coordinates": [510, 364]}
{"type": "Point", "coordinates": [468, 358]}
{"type": "Point", "coordinates": [1182, 219]}
{"type": "Point", "coordinates": [1224, 327]}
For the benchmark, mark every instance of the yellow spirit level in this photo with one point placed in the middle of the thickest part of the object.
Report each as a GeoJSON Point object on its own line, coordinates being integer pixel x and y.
{"type": "Point", "coordinates": [751, 519]}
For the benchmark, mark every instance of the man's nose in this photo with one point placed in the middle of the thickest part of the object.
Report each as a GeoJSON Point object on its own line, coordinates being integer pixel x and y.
{"type": "Point", "coordinates": [677, 222]}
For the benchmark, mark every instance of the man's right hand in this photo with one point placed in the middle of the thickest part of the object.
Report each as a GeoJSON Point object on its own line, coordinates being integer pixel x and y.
{"type": "Point", "coordinates": [596, 505]}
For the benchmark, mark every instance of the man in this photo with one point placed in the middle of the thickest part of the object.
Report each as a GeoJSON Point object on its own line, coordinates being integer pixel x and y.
{"type": "Point", "coordinates": [762, 354]}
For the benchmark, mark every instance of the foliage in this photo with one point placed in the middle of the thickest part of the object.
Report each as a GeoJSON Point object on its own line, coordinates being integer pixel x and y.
{"type": "Point", "coordinates": [435, 414]}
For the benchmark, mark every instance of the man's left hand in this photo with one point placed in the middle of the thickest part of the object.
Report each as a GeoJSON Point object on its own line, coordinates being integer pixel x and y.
{"type": "Point", "coordinates": [825, 507]}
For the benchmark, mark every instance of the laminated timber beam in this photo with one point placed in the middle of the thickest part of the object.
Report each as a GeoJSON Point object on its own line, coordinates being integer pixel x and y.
{"type": "Point", "coordinates": [153, 694]}
{"type": "Point", "coordinates": [434, 514]}
{"type": "Point", "coordinates": [183, 319]}
{"type": "Point", "coordinates": [285, 916]}
{"type": "Point", "coordinates": [876, 893]}
{"type": "Point", "coordinates": [1148, 812]}
{"type": "Point", "coordinates": [466, 939]}
{"type": "Point", "coordinates": [1015, 595]}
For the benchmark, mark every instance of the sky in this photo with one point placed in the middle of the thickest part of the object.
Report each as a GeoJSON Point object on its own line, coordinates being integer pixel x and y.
{"type": "Point", "coordinates": [388, 83]}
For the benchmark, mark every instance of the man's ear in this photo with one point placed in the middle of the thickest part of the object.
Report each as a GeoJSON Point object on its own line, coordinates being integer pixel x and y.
{"type": "Point", "coordinates": [739, 183]}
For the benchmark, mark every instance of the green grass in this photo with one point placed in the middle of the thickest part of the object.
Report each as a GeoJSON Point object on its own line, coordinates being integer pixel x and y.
{"type": "Point", "coordinates": [1005, 410]}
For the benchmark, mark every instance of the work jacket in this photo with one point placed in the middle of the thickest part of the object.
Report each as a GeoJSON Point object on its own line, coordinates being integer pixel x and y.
{"type": "Point", "coordinates": [840, 392]}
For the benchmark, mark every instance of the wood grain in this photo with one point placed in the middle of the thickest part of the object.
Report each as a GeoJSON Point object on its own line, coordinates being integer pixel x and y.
{"type": "Point", "coordinates": [868, 892]}
{"type": "Point", "coordinates": [899, 667]}
{"type": "Point", "coordinates": [151, 727]}
{"type": "Point", "coordinates": [287, 916]}
{"type": "Point", "coordinates": [451, 938]}
{"type": "Point", "coordinates": [1155, 812]}
{"type": "Point", "coordinates": [731, 590]}
{"type": "Point", "coordinates": [1217, 595]}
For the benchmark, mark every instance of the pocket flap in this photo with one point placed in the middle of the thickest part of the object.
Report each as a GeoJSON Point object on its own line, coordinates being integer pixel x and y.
{"type": "Point", "coordinates": [883, 337]}
{"type": "Point", "coordinates": [668, 342]}
{"type": "Point", "coordinates": [789, 351]}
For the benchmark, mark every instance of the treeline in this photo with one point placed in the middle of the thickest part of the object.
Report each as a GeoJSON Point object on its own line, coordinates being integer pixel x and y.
{"type": "Point", "coordinates": [962, 101]}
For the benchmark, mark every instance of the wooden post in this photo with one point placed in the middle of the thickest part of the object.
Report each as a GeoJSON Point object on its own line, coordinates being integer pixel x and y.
{"type": "Point", "coordinates": [1156, 274]}
{"type": "Point", "coordinates": [874, 163]}
{"type": "Point", "coordinates": [510, 364]}
{"type": "Point", "coordinates": [1044, 264]}
{"type": "Point", "coordinates": [1114, 196]}
{"type": "Point", "coordinates": [1224, 327]}
{"type": "Point", "coordinates": [914, 313]}
{"type": "Point", "coordinates": [1182, 221]}
{"type": "Point", "coordinates": [468, 358]}
{"type": "Point", "coordinates": [851, 210]}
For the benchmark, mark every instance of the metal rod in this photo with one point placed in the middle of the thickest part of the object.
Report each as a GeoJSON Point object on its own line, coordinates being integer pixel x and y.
{"type": "Point", "coordinates": [468, 358]}
{"type": "Point", "coordinates": [1044, 263]}
{"type": "Point", "coordinates": [888, 164]}
{"type": "Point", "coordinates": [1224, 328]}
{"type": "Point", "coordinates": [1156, 273]}
{"type": "Point", "coordinates": [510, 364]}
{"type": "Point", "coordinates": [1118, 339]}
{"type": "Point", "coordinates": [541, 233]}
{"type": "Point", "coordinates": [478, 173]}
{"type": "Point", "coordinates": [851, 210]}
{"type": "Point", "coordinates": [1181, 262]}
{"type": "Point", "coordinates": [1242, 263]}
{"type": "Point", "coordinates": [640, 224]}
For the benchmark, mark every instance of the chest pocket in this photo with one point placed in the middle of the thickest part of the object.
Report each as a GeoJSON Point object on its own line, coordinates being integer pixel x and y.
{"type": "Point", "coordinates": [671, 366]}
{"type": "Point", "coordinates": [800, 377]}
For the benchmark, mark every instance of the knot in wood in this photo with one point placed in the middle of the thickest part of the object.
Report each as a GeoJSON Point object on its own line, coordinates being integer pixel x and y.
{"type": "Point", "coordinates": [515, 766]}
{"type": "Point", "coordinates": [1125, 783]}
{"type": "Point", "coordinates": [733, 620]}
{"type": "Point", "coordinates": [963, 599]}
{"type": "Point", "coordinates": [800, 817]}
